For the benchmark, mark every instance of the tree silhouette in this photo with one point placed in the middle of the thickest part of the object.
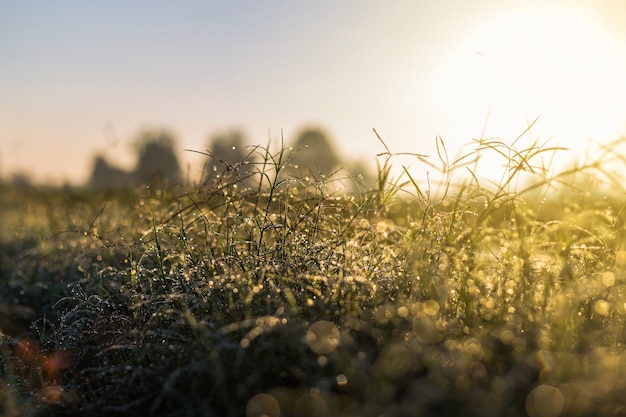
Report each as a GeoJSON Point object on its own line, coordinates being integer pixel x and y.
{"type": "Point", "coordinates": [105, 175]}
{"type": "Point", "coordinates": [362, 173]}
{"type": "Point", "coordinates": [314, 154]}
{"type": "Point", "coordinates": [229, 157]}
{"type": "Point", "coordinates": [157, 162]}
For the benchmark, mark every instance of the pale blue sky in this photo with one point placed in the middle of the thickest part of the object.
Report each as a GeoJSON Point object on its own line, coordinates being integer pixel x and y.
{"type": "Point", "coordinates": [74, 72]}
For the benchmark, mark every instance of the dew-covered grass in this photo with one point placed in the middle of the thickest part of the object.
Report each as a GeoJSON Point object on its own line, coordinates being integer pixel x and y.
{"type": "Point", "coordinates": [274, 295]}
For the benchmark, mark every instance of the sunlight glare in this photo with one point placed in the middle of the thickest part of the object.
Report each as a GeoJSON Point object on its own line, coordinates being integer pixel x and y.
{"type": "Point", "coordinates": [541, 62]}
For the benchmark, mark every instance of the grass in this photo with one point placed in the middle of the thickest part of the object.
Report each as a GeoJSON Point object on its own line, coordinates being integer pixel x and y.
{"type": "Point", "coordinates": [263, 294]}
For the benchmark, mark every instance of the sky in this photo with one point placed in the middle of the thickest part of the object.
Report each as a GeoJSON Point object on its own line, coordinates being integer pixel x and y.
{"type": "Point", "coordinates": [84, 78]}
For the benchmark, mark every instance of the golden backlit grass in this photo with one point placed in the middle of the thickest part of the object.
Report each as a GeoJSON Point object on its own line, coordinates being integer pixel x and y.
{"type": "Point", "coordinates": [281, 296]}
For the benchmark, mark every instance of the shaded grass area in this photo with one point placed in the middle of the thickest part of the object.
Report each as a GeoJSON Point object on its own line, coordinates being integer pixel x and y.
{"type": "Point", "coordinates": [281, 296]}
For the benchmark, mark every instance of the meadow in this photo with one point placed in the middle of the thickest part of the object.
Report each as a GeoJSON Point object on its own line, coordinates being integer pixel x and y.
{"type": "Point", "coordinates": [269, 294]}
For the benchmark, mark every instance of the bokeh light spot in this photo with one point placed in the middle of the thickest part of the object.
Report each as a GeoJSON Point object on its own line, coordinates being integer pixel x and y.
{"type": "Point", "coordinates": [608, 279]}
{"type": "Point", "coordinates": [429, 330]}
{"type": "Point", "coordinates": [507, 337]}
{"type": "Point", "coordinates": [431, 307]}
{"type": "Point", "coordinates": [323, 337]}
{"type": "Point", "coordinates": [310, 405]}
{"type": "Point", "coordinates": [396, 361]}
{"type": "Point", "coordinates": [545, 401]}
{"type": "Point", "coordinates": [263, 405]}
{"type": "Point", "coordinates": [620, 257]}
{"type": "Point", "coordinates": [602, 307]}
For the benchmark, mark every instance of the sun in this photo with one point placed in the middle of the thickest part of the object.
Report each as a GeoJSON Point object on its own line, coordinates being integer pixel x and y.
{"type": "Point", "coordinates": [551, 63]}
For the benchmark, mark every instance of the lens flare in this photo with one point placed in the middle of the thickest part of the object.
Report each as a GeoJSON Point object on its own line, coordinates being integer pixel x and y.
{"type": "Point", "coordinates": [342, 380]}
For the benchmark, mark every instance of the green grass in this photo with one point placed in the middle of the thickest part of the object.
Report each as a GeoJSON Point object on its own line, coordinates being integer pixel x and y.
{"type": "Point", "coordinates": [274, 295]}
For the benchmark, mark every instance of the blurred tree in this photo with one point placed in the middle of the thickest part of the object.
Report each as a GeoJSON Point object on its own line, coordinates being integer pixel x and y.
{"type": "Point", "coordinates": [363, 174]}
{"type": "Point", "coordinates": [157, 162]}
{"type": "Point", "coordinates": [21, 179]}
{"type": "Point", "coordinates": [229, 156]}
{"type": "Point", "coordinates": [314, 154]}
{"type": "Point", "coordinates": [105, 175]}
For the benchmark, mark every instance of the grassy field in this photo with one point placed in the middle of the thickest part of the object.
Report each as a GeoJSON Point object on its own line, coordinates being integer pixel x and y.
{"type": "Point", "coordinates": [281, 296]}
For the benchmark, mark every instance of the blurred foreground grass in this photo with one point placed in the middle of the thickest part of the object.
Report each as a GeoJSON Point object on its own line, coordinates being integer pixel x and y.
{"type": "Point", "coordinates": [281, 296]}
